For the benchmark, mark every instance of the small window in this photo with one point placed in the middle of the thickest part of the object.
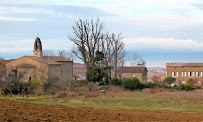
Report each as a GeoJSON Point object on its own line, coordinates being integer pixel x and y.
{"type": "Point", "coordinates": [191, 74]}
{"type": "Point", "coordinates": [134, 75]}
{"type": "Point", "coordinates": [198, 74]}
{"type": "Point", "coordinates": [174, 74]}
{"type": "Point", "coordinates": [183, 82]}
{"type": "Point", "coordinates": [184, 74]}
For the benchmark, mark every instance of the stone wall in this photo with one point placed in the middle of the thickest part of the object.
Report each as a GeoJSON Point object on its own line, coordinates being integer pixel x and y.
{"type": "Point", "coordinates": [185, 69]}
{"type": "Point", "coordinates": [64, 72]}
{"type": "Point", "coordinates": [40, 73]}
{"type": "Point", "coordinates": [144, 77]}
{"type": "Point", "coordinates": [132, 75]}
{"type": "Point", "coordinates": [27, 73]}
{"type": "Point", "coordinates": [67, 71]}
{"type": "Point", "coordinates": [55, 71]}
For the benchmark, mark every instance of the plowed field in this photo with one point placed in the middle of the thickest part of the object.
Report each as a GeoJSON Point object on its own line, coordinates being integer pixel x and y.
{"type": "Point", "coordinates": [25, 111]}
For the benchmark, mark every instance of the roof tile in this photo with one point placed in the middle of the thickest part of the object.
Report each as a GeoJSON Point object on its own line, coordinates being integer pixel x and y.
{"type": "Point", "coordinates": [184, 64]}
{"type": "Point", "coordinates": [137, 69]}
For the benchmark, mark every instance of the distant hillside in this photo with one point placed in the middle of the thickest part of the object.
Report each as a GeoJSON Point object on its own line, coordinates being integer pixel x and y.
{"type": "Point", "coordinates": [156, 71]}
{"type": "Point", "coordinates": [80, 70]}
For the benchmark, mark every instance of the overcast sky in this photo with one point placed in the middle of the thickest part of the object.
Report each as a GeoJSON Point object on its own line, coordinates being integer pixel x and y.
{"type": "Point", "coordinates": [159, 30]}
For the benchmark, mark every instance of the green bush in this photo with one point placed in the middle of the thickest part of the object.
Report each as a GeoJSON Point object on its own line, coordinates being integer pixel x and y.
{"type": "Point", "coordinates": [5, 90]}
{"type": "Point", "coordinates": [175, 86]}
{"type": "Point", "coordinates": [185, 87]}
{"type": "Point", "coordinates": [188, 87]}
{"type": "Point", "coordinates": [132, 84]}
{"type": "Point", "coordinates": [95, 74]}
{"type": "Point", "coordinates": [182, 86]}
{"type": "Point", "coordinates": [169, 80]}
{"type": "Point", "coordinates": [32, 85]}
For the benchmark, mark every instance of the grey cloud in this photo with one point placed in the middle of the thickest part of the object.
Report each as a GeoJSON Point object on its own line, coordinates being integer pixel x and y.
{"type": "Point", "coordinates": [199, 6]}
{"type": "Point", "coordinates": [66, 9]}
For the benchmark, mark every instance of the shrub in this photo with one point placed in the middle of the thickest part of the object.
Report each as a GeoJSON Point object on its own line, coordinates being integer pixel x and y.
{"type": "Point", "coordinates": [132, 84]}
{"type": "Point", "coordinates": [79, 83]}
{"type": "Point", "coordinates": [32, 85]}
{"type": "Point", "coordinates": [116, 82]}
{"type": "Point", "coordinates": [188, 88]}
{"type": "Point", "coordinates": [191, 82]}
{"type": "Point", "coordinates": [94, 74]}
{"type": "Point", "coordinates": [175, 86]}
{"type": "Point", "coordinates": [185, 87]}
{"type": "Point", "coordinates": [5, 91]}
{"type": "Point", "coordinates": [169, 80]}
{"type": "Point", "coordinates": [182, 86]}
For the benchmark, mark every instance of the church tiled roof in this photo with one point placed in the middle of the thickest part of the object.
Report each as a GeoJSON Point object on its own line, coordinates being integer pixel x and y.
{"type": "Point", "coordinates": [24, 65]}
{"type": "Point", "coordinates": [4, 62]}
{"type": "Point", "coordinates": [184, 64]}
{"type": "Point", "coordinates": [51, 60]}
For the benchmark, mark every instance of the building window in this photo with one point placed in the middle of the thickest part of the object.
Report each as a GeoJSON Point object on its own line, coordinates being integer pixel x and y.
{"type": "Point", "coordinates": [198, 74]}
{"type": "Point", "coordinates": [183, 82]}
{"type": "Point", "coordinates": [184, 74]}
{"type": "Point", "coordinates": [191, 74]}
{"type": "Point", "coordinates": [174, 74]}
{"type": "Point", "coordinates": [134, 75]}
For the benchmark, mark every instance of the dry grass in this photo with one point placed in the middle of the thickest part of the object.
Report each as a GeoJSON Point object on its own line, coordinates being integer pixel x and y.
{"type": "Point", "coordinates": [119, 98]}
{"type": "Point", "coordinates": [181, 95]}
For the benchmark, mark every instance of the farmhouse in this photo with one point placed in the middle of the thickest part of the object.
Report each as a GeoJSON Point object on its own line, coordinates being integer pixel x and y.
{"type": "Point", "coordinates": [185, 71]}
{"type": "Point", "coordinates": [42, 68]}
{"type": "Point", "coordinates": [139, 72]}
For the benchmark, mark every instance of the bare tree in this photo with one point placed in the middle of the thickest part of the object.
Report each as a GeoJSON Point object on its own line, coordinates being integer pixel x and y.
{"type": "Point", "coordinates": [118, 52]}
{"type": "Point", "coordinates": [49, 52]}
{"type": "Point", "coordinates": [87, 37]}
{"type": "Point", "coordinates": [66, 53]}
{"type": "Point", "coordinates": [16, 81]}
{"type": "Point", "coordinates": [136, 60]}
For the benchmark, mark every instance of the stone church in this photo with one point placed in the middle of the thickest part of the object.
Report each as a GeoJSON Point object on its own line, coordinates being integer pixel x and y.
{"type": "Point", "coordinates": [42, 68]}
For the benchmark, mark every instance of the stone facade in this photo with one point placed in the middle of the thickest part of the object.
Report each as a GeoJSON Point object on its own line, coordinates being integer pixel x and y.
{"type": "Point", "coordinates": [22, 66]}
{"type": "Point", "coordinates": [139, 72]}
{"type": "Point", "coordinates": [185, 71]}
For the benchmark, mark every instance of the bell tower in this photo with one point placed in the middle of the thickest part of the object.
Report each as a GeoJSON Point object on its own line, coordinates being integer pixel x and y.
{"type": "Point", "coordinates": [37, 47]}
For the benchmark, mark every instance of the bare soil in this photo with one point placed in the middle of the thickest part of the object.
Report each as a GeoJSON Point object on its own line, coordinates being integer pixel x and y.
{"type": "Point", "coordinates": [25, 111]}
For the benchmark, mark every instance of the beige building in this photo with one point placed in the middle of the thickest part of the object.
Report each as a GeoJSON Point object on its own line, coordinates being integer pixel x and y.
{"type": "Point", "coordinates": [42, 68]}
{"type": "Point", "coordinates": [3, 66]}
{"type": "Point", "coordinates": [139, 72]}
{"type": "Point", "coordinates": [185, 71]}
